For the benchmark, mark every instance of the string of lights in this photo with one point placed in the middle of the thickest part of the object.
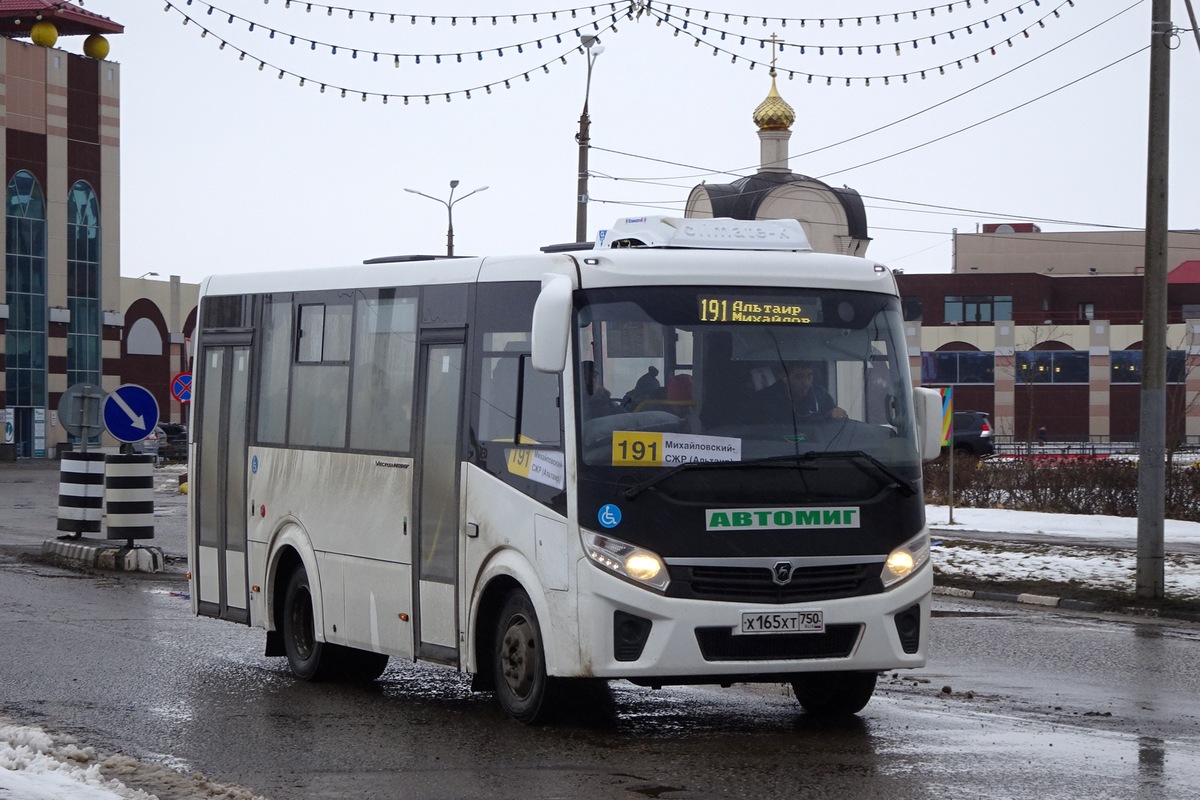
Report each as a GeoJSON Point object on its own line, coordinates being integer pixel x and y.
{"type": "Point", "coordinates": [821, 22]}
{"type": "Point", "coordinates": [670, 8]}
{"type": "Point", "coordinates": [395, 57]}
{"type": "Point", "coordinates": [345, 91]}
{"type": "Point", "coordinates": [684, 24]}
{"type": "Point", "coordinates": [433, 19]}
{"type": "Point", "coordinates": [630, 10]}
{"type": "Point", "coordinates": [865, 80]}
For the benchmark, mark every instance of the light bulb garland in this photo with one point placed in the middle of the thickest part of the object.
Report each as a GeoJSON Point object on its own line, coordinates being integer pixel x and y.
{"type": "Point", "coordinates": [727, 16]}
{"type": "Point", "coordinates": [684, 24]}
{"type": "Point", "coordinates": [849, 80]}
{"type": "Point", "coordinates": [394, 57]}
{"type": "Point", "coordinates": [855, 20]}
{"type": "Point", "coordinates": [661, 13]}
{"type": "Point", "coordinates": [406, 98]}
{"type": "Point", "coordinates": [455, 19]}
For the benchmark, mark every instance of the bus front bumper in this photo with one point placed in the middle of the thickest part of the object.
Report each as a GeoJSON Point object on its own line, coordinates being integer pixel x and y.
{"type": "Point", "coordinates": [629, 632]}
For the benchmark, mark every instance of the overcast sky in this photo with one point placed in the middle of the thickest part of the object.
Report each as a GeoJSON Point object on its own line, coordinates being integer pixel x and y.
{"type": "Point", "coordinates": [227, 167]}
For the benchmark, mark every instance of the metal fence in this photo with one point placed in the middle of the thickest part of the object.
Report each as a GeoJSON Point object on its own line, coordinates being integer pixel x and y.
{"type": "Point", "coordinates": [1094, 446]}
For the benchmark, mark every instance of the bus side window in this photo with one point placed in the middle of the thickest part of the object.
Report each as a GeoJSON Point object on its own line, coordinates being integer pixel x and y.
{"type": "Point", "coordinates": [505, 446]}
{"type": "Point", "coordinates": [385, 357]}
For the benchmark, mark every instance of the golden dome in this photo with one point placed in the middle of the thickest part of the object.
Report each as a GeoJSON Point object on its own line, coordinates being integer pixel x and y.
{"type": "Point", "coordinates": [774, 113]}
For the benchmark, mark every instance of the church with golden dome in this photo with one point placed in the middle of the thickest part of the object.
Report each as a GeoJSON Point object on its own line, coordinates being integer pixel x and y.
{"type": "Point", "coordinates": [834, 219]}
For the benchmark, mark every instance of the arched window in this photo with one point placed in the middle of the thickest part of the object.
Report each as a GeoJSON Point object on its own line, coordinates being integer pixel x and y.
{"type": "Point", "coordinates": [83, 285]}
{"type": "Point", "coordinates": [144, 339]}
{"type": "Point", "coordinates": [25, 284]}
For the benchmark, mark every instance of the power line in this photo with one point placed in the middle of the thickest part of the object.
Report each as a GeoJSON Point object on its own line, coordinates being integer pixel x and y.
{"type": "Point", "coordinates": [973, 125]}
{"type": "Point", "coordinates": [988, 119]}
{"type": "Point", "coordinates": [897, 47]}
{"type": "Point", "coordinates": [890, 124]}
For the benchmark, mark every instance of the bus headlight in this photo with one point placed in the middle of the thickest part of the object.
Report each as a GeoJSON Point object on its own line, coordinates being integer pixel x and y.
{"type": "Point", "coordinates": [633, 563]}
{"type": "Point", "coordinates": [905, 560]}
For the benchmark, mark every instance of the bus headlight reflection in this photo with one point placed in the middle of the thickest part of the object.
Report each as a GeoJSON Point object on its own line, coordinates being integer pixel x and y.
{"type": "Point", "coordinates": [640, 566]}
{"type": "Point", "coordinates": [905, 560]}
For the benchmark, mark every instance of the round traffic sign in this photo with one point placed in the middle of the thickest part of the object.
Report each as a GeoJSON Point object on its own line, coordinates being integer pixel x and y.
{"type": "Point", "coordinates": [79, 409]}
{"type": "Point", "coordinates": [181, 387]}
{"type": "Point", "coordinates": [130, 413]}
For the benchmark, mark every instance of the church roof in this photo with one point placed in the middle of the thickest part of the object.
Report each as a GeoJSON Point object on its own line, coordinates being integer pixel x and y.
{"type": "Point", "coordinates": [18, 16]}
{"type": "Point", "coordinates": [742, 198]}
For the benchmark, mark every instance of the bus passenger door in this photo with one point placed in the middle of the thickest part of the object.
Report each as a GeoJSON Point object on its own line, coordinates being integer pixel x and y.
{"type": "Point", "coordinates": [437, 499]}
{"type": "Point", "coordinates": [219, 561]}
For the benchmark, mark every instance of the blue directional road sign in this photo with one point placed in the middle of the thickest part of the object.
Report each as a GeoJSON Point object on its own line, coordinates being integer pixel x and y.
{"type": "Point", "coordinates": [130, 413]}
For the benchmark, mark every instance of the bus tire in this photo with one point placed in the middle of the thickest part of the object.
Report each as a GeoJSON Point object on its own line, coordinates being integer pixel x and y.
{"type": "Point", "coordinates": [519, 660]}
{"type": "Point", "coordinates": [309, 659]}
{"type": "Point", "coordinates": [834, 694]}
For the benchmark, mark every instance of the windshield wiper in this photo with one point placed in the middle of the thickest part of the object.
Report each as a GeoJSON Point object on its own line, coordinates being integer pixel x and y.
{"type": "Point", "coordinates": [906, 487]}
{"type": "Point", "coordinates": [773, 461]}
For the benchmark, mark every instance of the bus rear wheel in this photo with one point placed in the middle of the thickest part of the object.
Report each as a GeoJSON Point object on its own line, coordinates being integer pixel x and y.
{"type": "Point", "coordinates": [309, 659]}
{"type": "Point", "coordinates": [519, 663]}
{"type": "Point", "coordinates": [834, 694]}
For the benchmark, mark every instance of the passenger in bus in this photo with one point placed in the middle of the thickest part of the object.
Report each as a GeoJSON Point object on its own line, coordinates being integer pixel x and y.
{"type": "Point", "coordinates": [646, 388]}
{"type": "Point", "coordinates": [795, 393]}
{"type": "Point", "coordinates": [675, 397]}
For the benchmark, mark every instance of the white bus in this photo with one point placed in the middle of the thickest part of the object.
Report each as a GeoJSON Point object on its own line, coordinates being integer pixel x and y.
{"type": "Point", "coordinates": [589, 464]}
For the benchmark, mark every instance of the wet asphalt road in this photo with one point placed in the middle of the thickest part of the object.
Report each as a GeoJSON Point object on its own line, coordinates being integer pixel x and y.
{"type": "Point", "coordinates": [1017, 702]}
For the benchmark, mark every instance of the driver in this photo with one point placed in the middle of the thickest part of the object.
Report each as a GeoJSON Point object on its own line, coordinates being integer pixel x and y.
{"type": "Point", "coordinates": [797, 394]}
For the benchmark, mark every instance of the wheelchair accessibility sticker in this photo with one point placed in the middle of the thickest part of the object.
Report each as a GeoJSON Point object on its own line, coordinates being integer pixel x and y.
{"type": "Point", "coordinates": [609, 516]}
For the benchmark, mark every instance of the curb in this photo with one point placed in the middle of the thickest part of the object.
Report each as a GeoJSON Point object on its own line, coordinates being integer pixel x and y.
{"type": "Point", "coordinates": [1064, 602]}
{"type": "Point", "coordinates": [121, 558]}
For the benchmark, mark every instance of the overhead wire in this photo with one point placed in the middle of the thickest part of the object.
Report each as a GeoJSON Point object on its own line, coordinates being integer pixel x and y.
{"type": "Point", "coordinates": [739, 171]}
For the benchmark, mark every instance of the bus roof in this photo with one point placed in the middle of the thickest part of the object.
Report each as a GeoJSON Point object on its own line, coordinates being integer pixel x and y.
{"type": "Point", "coordinates": [635, 251]}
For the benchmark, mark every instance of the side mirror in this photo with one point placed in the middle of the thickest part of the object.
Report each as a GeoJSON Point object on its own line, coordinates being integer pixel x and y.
{"type": "Point", "coordinates": [552, 324]}
{"type": "Point", "coordinates": [928, 405]}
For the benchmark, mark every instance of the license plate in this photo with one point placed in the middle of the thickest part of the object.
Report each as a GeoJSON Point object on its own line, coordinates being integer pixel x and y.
{"type": "Point", "coordinates": [785, 622]}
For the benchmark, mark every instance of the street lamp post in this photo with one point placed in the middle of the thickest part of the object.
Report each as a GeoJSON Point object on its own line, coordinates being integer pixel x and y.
{"type": "Point", "coordinates": [585, 123]}
{"type": "Point", "coordinates": [449, 204]}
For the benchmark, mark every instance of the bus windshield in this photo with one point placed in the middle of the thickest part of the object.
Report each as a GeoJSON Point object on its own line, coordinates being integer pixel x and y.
{"type": "Point", "coordinates": [677, 375]}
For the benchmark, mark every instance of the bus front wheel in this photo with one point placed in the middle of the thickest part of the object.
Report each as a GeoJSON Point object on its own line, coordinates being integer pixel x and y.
{"type": "Point", "coordinates": [519, 663]}
{"type": "Point", "coordinates": [831, 694]}
{"type": "Point", "coordinates": [309, 659]}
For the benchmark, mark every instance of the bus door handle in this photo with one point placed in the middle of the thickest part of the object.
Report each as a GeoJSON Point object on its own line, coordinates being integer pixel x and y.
{"type": "Point", "coordinates": [472, 530]}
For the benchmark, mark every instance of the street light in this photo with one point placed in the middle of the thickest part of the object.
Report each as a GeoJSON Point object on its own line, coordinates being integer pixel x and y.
{"type": "Point", "coordinates": [449, 204]}
{"type": "Point", "coordinates": [593, 50]}
{"type": "Point", "coordinates": [144, 274]}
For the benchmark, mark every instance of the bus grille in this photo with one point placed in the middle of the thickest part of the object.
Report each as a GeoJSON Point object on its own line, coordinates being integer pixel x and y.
{"type": "Point", "coordinates": [757, 585]}
{"type": "Point", "coordinates": [719, 644]}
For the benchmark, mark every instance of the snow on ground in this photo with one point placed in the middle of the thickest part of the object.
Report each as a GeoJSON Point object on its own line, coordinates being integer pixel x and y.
{"type": "Point", "coordinates": [37, 766]}
{"type": "Point", "coordinates": [1085, 526]}
{"type": "Point", "coordinates": [1083, 565]}
{"type": "Point", "coordinates": [33, 766]}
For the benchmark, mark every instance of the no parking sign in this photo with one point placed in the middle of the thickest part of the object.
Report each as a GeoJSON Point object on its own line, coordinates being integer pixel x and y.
{"type": "Point", "coordinates": [181, 387]}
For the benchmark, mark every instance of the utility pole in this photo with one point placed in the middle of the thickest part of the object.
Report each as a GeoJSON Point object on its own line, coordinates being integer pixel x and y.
{"type": "Point", "coordinates": [592, 50]}
{"type": "Point", "coordinates": [1152, 447]}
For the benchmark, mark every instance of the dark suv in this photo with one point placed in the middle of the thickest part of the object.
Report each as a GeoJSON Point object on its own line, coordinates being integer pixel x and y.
{"type": "Point", "coordinates": [972, 433]}
{"type": "Point", "coordinates": [172, 445]}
